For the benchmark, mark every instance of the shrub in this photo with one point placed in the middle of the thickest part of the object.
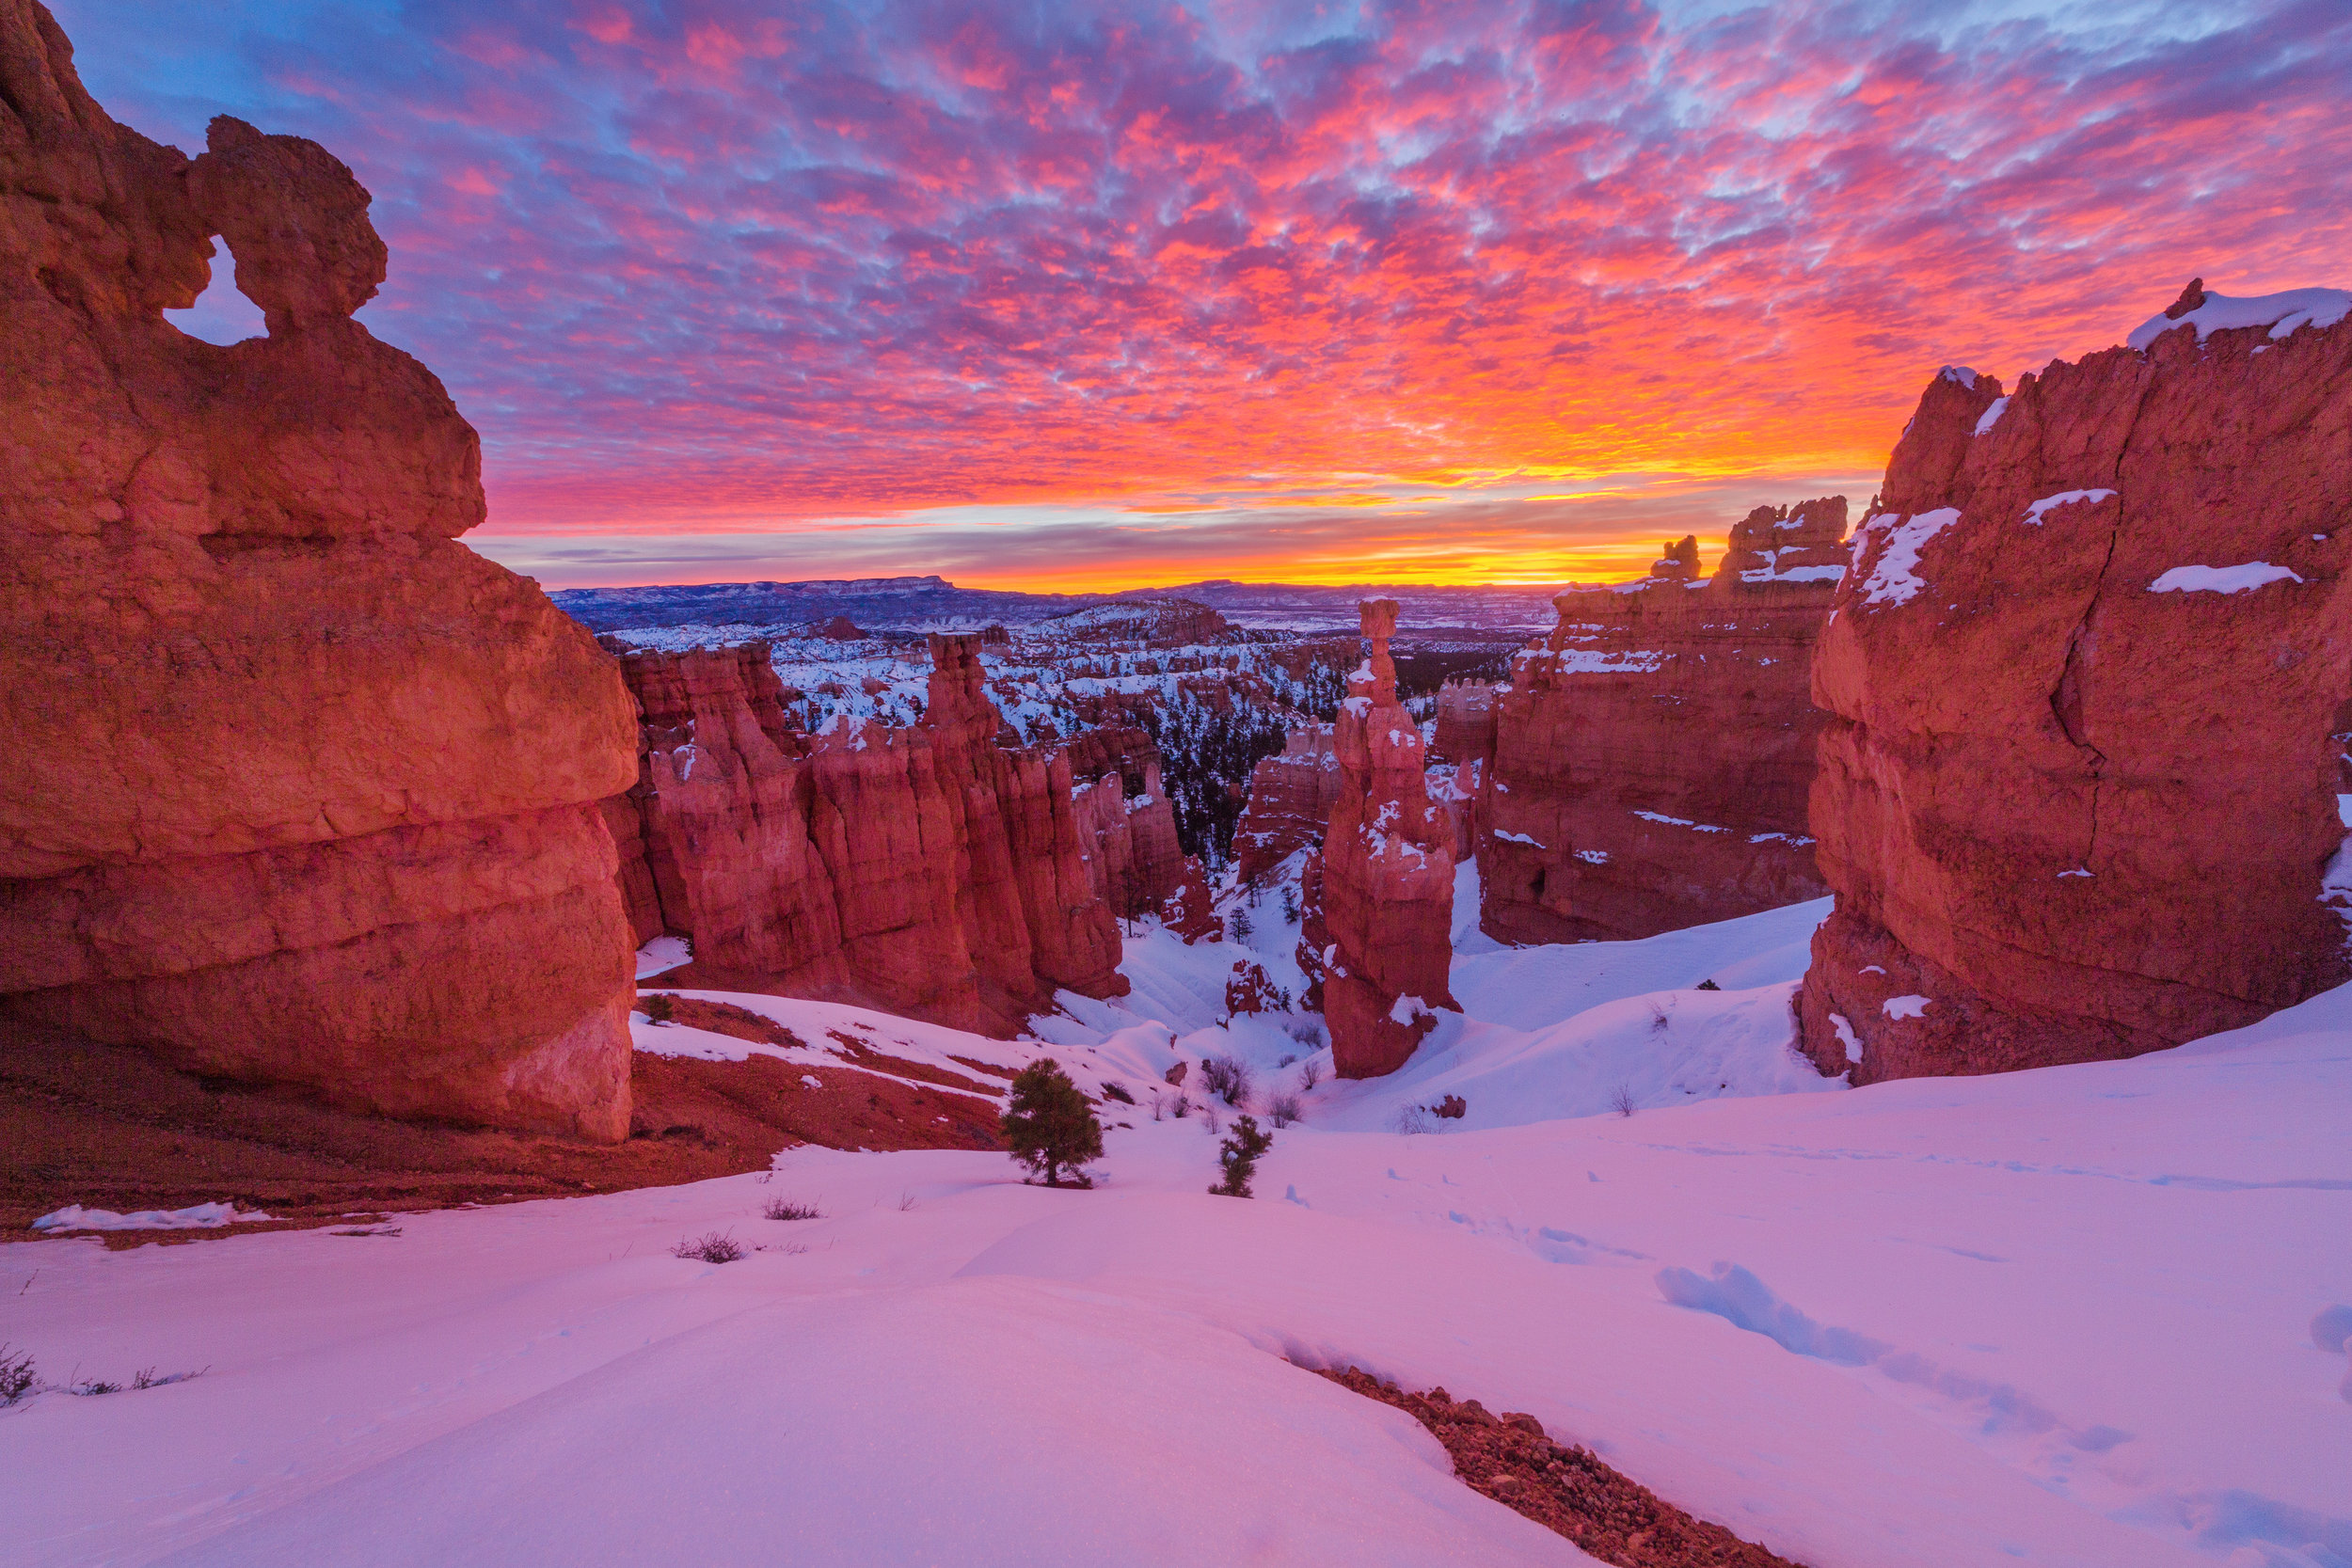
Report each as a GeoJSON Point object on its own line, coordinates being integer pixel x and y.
{"type": "Point", "coordinates": [1183, 1106]}
{"type": "Point", "coordinates": [1290, 903]}
{"type": "Point", "coordinates": [716, 1246]}
{"type": "Point", "coordinates": [1622, 1100]}
{"type": "Point", "coordinates": [1409, 1120]}
{"type": "Point", "coordinates": [1048, 1125]}
{"type": "Point", "coordinates": [1709, 985]}
{"type": "Point", "coordinates": [1117, 1092]}
{"type": "Point", "coordinates": [655, 1007]}
{"type": "Point", "coordinates": [784, 1209]}
{"type": "Point", "coordinates": [1284, 1110]}
{"type": "Point", "coordinates": [1310, 1075]}
{"type": "Point", "coordinates": [1228, 1078]}
{"type": "Point", "coordinates": [17, 1377]}
{"type": "Point", "coordinates": [1239, 1156]}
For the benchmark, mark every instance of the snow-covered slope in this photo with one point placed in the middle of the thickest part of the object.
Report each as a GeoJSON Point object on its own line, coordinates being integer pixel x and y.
{"type": "Point", "coordinates": [2059, 1317]}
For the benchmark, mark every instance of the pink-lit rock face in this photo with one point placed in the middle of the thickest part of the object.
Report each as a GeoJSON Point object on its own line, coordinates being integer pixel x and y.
{"type": "Point", "coordinates": [1385, 903]}
{"type": "Point", "coordinates": [2078, 795]}
{"type": "Point", "coordinates": [1134, 862]}
{"type": "Point", "coordinates": [306, 793]}
{"type": "Point", "coordinates": [927, 870]}
{"type": "Point", "coordinates": [1650, 765]}
{"type": "Point", "coordinates": [1291, 796]}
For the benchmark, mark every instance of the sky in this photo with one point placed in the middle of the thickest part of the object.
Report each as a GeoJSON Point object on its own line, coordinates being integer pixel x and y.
{"type": "Point", "coordinates": [1081, 295]}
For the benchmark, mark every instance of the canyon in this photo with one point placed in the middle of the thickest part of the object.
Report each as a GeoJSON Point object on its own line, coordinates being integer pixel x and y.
{"type": "Point", "coordinates": [2079, 793]}
{"type": "Point", "coordinates": [1649, 766]}
{"type": "Point", "coordinates": [315, 795]}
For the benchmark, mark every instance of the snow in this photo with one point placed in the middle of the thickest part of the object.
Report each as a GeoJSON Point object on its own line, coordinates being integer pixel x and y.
{"type": "Point", "coordinates": [202, 1216]}
{"type": "Point", "coordinates": [2222, 580]}
{"type": "Point", "coordinates": [1905, 1007]}
{"type": "Point", "coordinates": [2064, 498]}
{"type": "Point", "coordinates": [661, 955]}
{"type": "Point", "coordinates": [1893, 580]}
{"type": "Point", "coordinates": [1662, 820]}
{"type": "Point", "coordinates": [1961, 373]}
{"type": "Point", "coordinates": [2284, 313]}
{"type": "Point", "coordinates": [1846, 1037]}
{"type": "Point", "coordinates": [1516, 838]}
{"type": "Point", "coordinates": [1991, 416]}
{"type": "Point", "coordinates": [2060, 1317]}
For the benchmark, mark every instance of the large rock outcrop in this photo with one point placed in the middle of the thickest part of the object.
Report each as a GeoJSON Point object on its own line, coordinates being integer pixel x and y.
{"type": "Point", "coordinates": [1291, 796]}
{"type": "Point", "coordinates": [1135, 862]}
{"type": "Point", "coordinates": [1651, 763]}
{"type": "Point", "coordinates": [2088, 678]}
{"type": "Point", "coordinates": [1385, 893]}
{"type": "Point", "coordinates": [304, 791]}
{"type": "Point", "coordinates": [924, 870]}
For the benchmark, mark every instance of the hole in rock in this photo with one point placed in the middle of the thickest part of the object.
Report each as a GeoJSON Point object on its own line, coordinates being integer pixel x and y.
{"type": "Point", "coordinates": [220, 314]}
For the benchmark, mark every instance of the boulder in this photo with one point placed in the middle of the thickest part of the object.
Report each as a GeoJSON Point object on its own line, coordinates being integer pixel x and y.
{"type": "Point", "coordinates": [1385, 902]}
{"type": "Point", "coordinates": [2078, 791]}
{"type": "Point", "coordinates": [1651, 763]}
{"type": "Point", "coordinates": [314, 796]}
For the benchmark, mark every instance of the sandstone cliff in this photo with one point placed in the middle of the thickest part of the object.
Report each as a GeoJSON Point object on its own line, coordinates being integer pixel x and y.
{"type": "Point", "coordinates": [1127, 822]}
{"type": "Point", "coordinates": [1650, 765]}
{"type": "Point", "coordinates": [2078, 797]}
{"type": "Point", "coordinates": [924, 870]}
{"type": "Point", "coordinates": [304, 792]}
{"type": "Point", "coordinates": [1291, 796]}
{"type": "Point", "coordinates": [1384, 895]}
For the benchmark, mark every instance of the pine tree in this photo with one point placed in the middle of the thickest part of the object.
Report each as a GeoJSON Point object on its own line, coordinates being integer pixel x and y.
{"type": "Point", "coordinates": [1048, 1125]}
{"type": "Point", "coordinates": [1238, 1155]}
{"type": "Point", "coordinates": [1240, 924]}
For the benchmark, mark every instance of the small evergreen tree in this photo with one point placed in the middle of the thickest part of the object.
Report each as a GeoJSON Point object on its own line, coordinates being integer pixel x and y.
{"type": "Point", "coordinates": [1242, 928]}
{"type": "Point", "coordinates": [1238, 1155]}
{"type": "Point", "coordinates": [1048, 1125]}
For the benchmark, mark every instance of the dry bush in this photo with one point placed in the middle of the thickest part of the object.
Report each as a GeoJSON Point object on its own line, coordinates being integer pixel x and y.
{"type": "Point", "coordinates": [1229, 1078]}
{"type": "Point", "coordinates": [785, 1209]}
{"type": "Point", "coordinates": [717, 1247]}
{"type": "Point", "coordinates": [1284, 1109]}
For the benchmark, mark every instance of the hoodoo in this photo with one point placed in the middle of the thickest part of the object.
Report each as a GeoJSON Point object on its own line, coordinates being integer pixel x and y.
{"type": "Point", "coordinates": [304, 792]}
{"type": "Point", "coordinates": [925, 870]}
{"type": "Point", "coordinates": [2078, 797]}
{"type": "Point", "coordinates": [1650, 764]}
{"type": "Point", "coordinates": [1386, 887]}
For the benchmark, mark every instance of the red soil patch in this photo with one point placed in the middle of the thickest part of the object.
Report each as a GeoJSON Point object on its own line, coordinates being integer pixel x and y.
{"type": "Point", "coordinates": [1564, 1489]}
{"type": "Point", "coordinates": [113, 1128]}
{"type": "Point", "coordinates": [718, 1018]}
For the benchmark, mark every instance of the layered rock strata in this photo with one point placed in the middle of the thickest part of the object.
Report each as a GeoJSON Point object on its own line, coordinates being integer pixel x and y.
{"type": "Point", "coordinates": [1651, 763]}
{"type": "Point", "coordinates": [314, 796]}
{"type": "Point", "coordinates": [2078, 795]}
{"type": "Point", "coordinates": [1291, 797]}
{"type": "Point", "coordinates": [1384, 897]}
{"type": "Point", "coordinates": [926, 870]}
{"type": "Point", "coordinates": [1134, 862]}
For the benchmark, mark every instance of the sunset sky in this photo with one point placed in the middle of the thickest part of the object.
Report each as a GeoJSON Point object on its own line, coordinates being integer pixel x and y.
{"type": "Point", "coordinates": [1066, 295]}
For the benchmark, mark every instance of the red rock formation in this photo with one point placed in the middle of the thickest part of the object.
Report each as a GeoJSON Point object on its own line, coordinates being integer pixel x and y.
{"type": "Point", "coordinates": [1651, 763]}
{"type": "Point", "coordinates": [1387, 875]}
{"type": "Point", "coordinates": [1466, 722]}
{"type": "Point", "coordinates": [926, 871]}
{"type": "Point", "coordinates": [2078, 796]}
{"type": "Point", "coordinates": [1291, 798]}
{"type": "Point", "coordinates": [313, 797]}
{"type": "Point", "coordinates": [1136, 862]}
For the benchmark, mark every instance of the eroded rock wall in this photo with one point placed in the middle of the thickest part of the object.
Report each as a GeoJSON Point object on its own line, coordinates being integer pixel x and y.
{"type": "Point", "coordinates": [1136, 862]}
{"type": "Point", "coordinates": [1385, 899]}
{"type": "Point", "coordinates": [1651, 763]}
{"type": "Point", "coordinates": [925, 870]}
{"type": "Point", "coordinates": [1291, 797]}
{"type": "Point", "coordinates": [2077, 795]}
{"type": "Point", "coordinates": [306, 792]}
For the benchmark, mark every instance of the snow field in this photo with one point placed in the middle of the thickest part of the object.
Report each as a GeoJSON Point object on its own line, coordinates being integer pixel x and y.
{"type": "Point", "coordinates": [2077, 1316]}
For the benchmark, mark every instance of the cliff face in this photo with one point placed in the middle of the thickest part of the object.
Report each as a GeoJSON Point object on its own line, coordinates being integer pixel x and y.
{"type": "Point", "coordinates": [1650, 765]}
{"type": "Point", "coordinates": [2078, 795]}
{"type": "Point", "coordinates": [1291, 796]}
{"type": "Point", "coordinates": [306, 791]}
{"type": "Point", "coordinates": [1385, 899]}
{"type": "Point", "coordinates": [927, 870]}
{"type": "Point", "coordinates": [1133, 860]}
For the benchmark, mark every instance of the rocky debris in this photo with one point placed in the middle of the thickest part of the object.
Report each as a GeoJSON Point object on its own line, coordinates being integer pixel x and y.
{"type": "Point", "coordinates": [1651, 763]}
{"type": "Point", "coordinates": [2078, 792]}
{"type": "Point", "coordinates": [1385, 902]}
{"type": "Point", "coordinates": [1291, 796]}
{"type": "Point", "coordinates": [330, 821]}
{"type": "Point", "coordinates": [925, 870]}
{"type": "Point", "coordinates": [1250, 989]}
{"type": "Point", "coordinates": [1563, 1487]}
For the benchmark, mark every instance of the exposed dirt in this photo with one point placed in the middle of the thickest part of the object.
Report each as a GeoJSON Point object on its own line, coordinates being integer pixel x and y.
{"type": "Point", "coordinates": [113, 1128]}
{"type": "Point", "coordinates": [718, 1018]}
{"type": "Point", "coordinates": [1563, 1488]}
